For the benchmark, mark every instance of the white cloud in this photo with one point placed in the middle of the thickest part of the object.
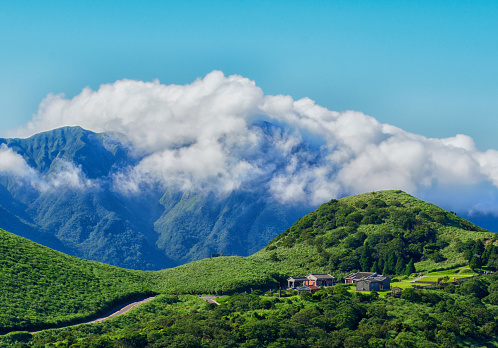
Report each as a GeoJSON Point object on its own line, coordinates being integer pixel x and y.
{"type": "Point", "coordinates": [200, 136]}
{"type": "Point", "coordinates": [65, 174]}
{"type": "Point", "coordinates": [12, 163]}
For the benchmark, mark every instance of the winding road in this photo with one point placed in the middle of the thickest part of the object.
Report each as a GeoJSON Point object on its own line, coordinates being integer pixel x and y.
{"type": "Point", "coordinates": [113, 313]}
{"type": "Point", "coordinates": [210, 299]}
{"type": "Point", "coordinates": [120, 310]}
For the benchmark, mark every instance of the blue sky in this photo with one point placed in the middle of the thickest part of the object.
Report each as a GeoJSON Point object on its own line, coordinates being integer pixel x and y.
{"type": "Point", "coordinates": [426, 67]}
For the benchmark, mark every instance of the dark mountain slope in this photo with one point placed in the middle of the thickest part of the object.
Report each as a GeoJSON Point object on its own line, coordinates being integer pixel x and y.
{"type": "Point", "coordinates": [241, 223]}
{"type": "Point", "coordinates": [92, 222]}
{"type": "Point", "coordinates": [152, 229]}
{"type": "Point", "coordinates": [101, 225]}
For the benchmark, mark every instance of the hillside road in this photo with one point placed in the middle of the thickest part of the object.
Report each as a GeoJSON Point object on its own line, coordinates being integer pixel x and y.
{"type": "Point", "coordinates": [113, 313]}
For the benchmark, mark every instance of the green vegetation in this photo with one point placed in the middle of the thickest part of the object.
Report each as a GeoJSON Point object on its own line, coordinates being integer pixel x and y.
{"type": "Point", "coordinates": [441, 279]}
{"type": "Point", "coordinates": [383, 232]}
{"type": "Point", "coordinates": [460, 316]}
{"type": "Point", "coordinates": [149, 230]}
{"type": "Point", "coordinates": [389, 232]}
{"type": "Point", "coordinates": [40, 287]}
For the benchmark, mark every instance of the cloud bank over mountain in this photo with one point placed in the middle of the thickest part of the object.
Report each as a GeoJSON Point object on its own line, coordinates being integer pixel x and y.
{"type": "Point", "coordinates": [210, 135]}
{"type": "Point", "coordinates": [65, 174]}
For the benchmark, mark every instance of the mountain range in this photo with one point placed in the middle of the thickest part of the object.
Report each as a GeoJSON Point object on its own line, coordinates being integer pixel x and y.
{"type": "Point", "coordinates": [68, 198]}
{"type": "Point", "coordinates": [69, 202]}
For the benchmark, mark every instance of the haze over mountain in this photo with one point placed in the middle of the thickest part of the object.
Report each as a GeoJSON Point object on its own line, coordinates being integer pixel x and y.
{"type": "Point", "coordinates": [175, 173]}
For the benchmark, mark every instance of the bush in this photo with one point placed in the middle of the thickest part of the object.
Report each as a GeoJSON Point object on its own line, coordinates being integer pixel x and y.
{"type": "Point", "coordinates": [411, 295]}
{"type": "Point", "coordinates": [306, 296]}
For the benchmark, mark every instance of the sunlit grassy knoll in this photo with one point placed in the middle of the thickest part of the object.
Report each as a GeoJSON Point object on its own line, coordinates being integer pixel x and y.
{"type": "Point", "coordinates": [402, 285]}
{"type": "Point", "coordinates": [264, 270]}
{"type": "Point", "coordinates": [435, 278]}
{"type": "Point", "coordinates": [225, 275]}
{"type": "Point", "coordinates": [42, 287]}
{"type": "Point", "coordinates": [456, 270]}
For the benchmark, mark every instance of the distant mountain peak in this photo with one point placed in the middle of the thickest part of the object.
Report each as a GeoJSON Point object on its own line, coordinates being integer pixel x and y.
{"type": "Point", "coordinates": [96, 153]}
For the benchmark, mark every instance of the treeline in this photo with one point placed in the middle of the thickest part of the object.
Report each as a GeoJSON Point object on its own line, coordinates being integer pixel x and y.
{"type": "Point", "coordinates": [390, 264]}
{"type": "Point", "coordinates": [479, 255]}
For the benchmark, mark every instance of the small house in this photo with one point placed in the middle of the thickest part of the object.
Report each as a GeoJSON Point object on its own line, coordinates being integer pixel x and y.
{"type": "Point", "coordinates": [293, 282]}
{"type": "Point", "coordinates": [354, 277]}
{"type": "Point", "coordinates": [375, 282]}
{"type": "Point", "coordinates": [316, 280]}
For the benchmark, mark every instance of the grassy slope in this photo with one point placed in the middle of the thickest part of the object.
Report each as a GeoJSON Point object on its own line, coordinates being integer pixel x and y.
{"type": "Point", "coordinates": [40, 286]}
{"type": "Point", "coordinates": [303, 248]}
{"type": "Point", "coordinates": [331, 318]}
{"type": "Point", "coordinates": [57, 288]}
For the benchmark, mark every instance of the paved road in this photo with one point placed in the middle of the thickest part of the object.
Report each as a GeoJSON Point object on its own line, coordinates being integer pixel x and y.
{"type": "Point", "coordinates": [210, 299]}
{"type": "Point", "coordinates": [120, 310]}
{"type": "Point", "coordinates": [113, 313]}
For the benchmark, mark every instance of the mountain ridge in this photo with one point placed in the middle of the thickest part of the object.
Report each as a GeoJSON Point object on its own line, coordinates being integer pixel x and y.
{"type": "Point", "coordinates": [149, 229]}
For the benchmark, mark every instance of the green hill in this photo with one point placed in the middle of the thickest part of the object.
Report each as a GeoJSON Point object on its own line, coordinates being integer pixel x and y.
{"type": "Point", "coordinates": [341, 236]}
{"type": "Point", "coordinates": [40, 287]}
{"type": "Point", "coordinates": [355, 232]}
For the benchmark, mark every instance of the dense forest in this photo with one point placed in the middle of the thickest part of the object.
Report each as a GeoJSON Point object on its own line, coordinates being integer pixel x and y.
{"type": "Point", "coordinates": [381, 232]}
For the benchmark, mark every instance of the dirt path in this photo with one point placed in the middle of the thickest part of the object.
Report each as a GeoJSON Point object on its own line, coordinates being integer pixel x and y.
{"type": "Point", "coordinates": [113, 313]}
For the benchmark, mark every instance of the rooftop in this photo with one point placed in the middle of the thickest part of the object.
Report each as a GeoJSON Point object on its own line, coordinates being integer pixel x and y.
{"type": "Point", "coordinates": [317, 276]}
{"type": "Point", "coordinates": [360, 275]}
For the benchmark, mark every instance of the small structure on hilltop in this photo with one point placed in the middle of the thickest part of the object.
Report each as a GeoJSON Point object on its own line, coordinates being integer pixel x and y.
{"type": "Point", "coordinates": [375, 282]}
{"type": "Point", "coordinates": [354, 277]}
{"type": "Point", "coordinates": [396, 291]}
{"type": "Point", "coordinates": [368, 281]}
{"type": "Point", "coordinates": [312, 282]}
